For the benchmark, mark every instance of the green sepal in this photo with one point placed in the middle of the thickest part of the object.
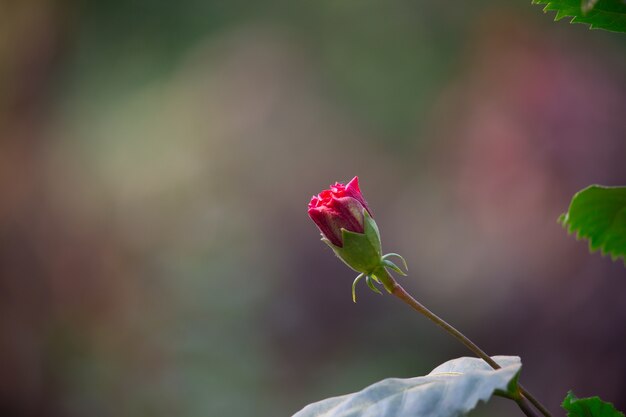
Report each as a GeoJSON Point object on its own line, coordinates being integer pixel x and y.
{"type": "Point", "coordinates": [372, 232]}
{"type": "Point", "coordinates": [370, 283]}
{"type": "Point", "coordinates": [360, 251]}
{"type": "Point", "coordinates": [356, 280]}
{"type": "Point", "coordinates": [389, 255]}
{"type": "Point", "coordinates": [382, 276]}
{"type": "Point", "coordinates": [387, 263]}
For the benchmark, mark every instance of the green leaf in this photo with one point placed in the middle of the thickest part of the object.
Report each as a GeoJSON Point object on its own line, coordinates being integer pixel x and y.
{"type": "Point", "coordinates": [598, 214]}
{"type": "Point", "coordinates": [450, 390]}
{"type": "Point", "coordinates": [588, 407]}
{"type": "Point", "coordinates": [601, 14]}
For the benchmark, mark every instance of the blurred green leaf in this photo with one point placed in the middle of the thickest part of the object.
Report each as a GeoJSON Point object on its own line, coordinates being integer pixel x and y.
{"type": "Point", "coordinates": [598, 214]}
{"type": "Point", "coordinates": [452, 389]}
{"type": "Point", "coordinates": [599, 14]}
{"type": "Point", "coordinates": [588, 407]}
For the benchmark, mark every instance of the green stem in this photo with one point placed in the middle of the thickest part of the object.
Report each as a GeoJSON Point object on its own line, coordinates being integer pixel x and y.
{"type": "Point", "coordinates": [524, 397]}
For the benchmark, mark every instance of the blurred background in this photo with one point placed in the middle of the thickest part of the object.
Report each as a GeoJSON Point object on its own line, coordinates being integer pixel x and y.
{"type": "Point", "coordinates": [157, 157]}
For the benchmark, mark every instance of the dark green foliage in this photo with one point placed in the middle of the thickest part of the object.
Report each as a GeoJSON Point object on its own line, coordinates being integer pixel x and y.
{"type": "Point", "coordinates": [588, 407]}
{"type": "Point", "coordinates": [598, 214]}
{"type": "Point", "coordinates": [600, 14]}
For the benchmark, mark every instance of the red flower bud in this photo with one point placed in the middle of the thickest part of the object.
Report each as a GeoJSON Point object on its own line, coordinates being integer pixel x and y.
{"type": "Point", "coordinates": [348, 228]}
{"type": "Point", "coordinates": [340, 207]}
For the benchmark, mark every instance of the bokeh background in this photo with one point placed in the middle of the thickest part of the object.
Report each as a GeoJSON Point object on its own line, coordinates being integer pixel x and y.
{"type": "Point", "coordinates": [156, 159]}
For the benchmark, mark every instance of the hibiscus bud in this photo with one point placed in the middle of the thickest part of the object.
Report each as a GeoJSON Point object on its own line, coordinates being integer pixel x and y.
{"type": "Point", "coordinates": [346, 224]}
{"type": "Point", "coordinates": [340, 207]}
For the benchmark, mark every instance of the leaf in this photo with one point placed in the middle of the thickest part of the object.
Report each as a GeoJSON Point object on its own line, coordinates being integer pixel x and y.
{"type": "Point", "coordinates": [450, 390]}
{"type": "Point", "coordinates": [588, 407]}
{"type": "Point", "coordinates": [599, 214]}
{"type": "Point", "coordinates": [601, 14]}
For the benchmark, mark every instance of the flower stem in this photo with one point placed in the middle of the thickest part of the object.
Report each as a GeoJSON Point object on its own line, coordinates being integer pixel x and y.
{"type": "Point", "coordinates": [524, 397]}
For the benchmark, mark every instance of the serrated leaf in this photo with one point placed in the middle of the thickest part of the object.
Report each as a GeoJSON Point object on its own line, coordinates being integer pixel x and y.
{"type": "Point", "coordinates": [599, 214]}
{"type": "Point", "coordinates": [450, 390]}
{"type": "Point", "coordinates": [601, 14]}
{"type": "Point", "coordinates": [588, 407]}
